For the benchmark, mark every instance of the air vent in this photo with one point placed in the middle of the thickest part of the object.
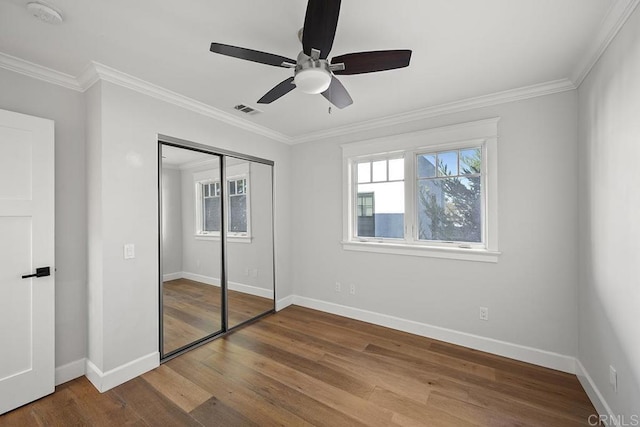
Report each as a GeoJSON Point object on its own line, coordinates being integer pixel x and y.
{"type": "Point", "coordinates": [247, 110]}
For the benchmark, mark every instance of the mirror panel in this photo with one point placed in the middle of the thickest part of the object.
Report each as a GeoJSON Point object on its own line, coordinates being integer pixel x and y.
{"type": "Point", "coordinates": [191, 297]}
{"type": "Point", "coordinates": [249, 244]}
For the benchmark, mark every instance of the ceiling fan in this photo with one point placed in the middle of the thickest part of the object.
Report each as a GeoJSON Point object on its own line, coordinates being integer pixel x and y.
{"type": "Point", "coordinates": [313, 73]}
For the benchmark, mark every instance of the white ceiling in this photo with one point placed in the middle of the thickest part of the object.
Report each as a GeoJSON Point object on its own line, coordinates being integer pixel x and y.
{"type": "Point", "coordinates": [461, 49]}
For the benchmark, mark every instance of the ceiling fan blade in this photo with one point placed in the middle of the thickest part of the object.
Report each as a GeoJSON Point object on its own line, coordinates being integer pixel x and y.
{"type": "Point", "coordinates": [320, 23]}
{"type": "Point", "coordinates": [252, 55]}
{"type": "Point", "coordinates": [337, 94]}
{"type": "Point", "coordinates": [280, 90]}
{"type": "Point", "coordinates": [370, 62]}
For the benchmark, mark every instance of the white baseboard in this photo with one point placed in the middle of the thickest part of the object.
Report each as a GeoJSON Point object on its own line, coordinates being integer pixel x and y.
{"type": "Point", "coordinates": [594, 394]}
{"type": "Point", "coordinates": [104, 381]}
{"type": "Point", "coordinates": [284, 302]}
{"type": "Point", "coordinates": [172, 276]}
{"type": "Point", "coordinates": [531, 355]}
{"type": "Point", "coordinates": [252, 290]}
{"type": "Point", "coordinates": [70, 371]}
{"type": "Point", "coordinates": [201, 278]}
{"type": "Point", "coordinates": [233, 286]}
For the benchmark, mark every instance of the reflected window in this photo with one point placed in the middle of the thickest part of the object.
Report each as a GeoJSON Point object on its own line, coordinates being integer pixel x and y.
{"type": "Point", "coordinates": [211, 206]}
{"type": "Point", "coordinates": [238, 206]}
{"type": "Point", "coordinates": [208, 204]}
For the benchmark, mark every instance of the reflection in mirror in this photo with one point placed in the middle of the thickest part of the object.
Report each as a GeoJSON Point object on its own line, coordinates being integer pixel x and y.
{"type": "Point", "coordinates": [191, 247]}
{"type": "Point", "coordinates": [249, 240]}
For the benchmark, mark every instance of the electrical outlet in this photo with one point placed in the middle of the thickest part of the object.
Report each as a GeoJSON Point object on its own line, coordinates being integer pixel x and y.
{"type": "Point", "coordinates": [484, 313]}
{"type": "Point", "coordinates": [613, 378]}
{"type": "Point", "coordinates": [352, 289]}
{"type": "Point", "coordinates": [338, 287]}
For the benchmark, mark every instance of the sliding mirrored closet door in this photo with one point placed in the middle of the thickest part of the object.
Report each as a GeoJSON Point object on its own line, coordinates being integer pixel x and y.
{"type": "Point", "coordinates": [249, 240]}
{"type": "Point", "coordinates": [216, 243]}
{"type": "Point", "coordinates": [191, 262]}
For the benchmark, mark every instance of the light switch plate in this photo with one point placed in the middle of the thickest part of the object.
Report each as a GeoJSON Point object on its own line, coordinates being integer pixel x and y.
{"type": "Point", "coordinates": [129, 251]}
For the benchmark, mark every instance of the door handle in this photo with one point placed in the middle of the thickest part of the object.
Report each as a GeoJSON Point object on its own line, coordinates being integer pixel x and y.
{"type": "Point", "coordinates": [40, 272]}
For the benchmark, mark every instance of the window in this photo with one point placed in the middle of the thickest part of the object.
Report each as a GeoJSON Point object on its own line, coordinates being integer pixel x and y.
{"type": "Point", "coordinates": [430, 193]}
{"type": "Point", "coordinates": [449, 196]}
{"type": "Point", "coordinates": [380, 193]}
{"type": "Point", "coordinates": [208, 206]}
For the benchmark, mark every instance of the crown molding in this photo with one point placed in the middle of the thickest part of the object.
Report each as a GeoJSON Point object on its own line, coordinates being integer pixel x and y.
{"type": "Point", "coordinates": [511, 95]}
{"type": "Point", "coordinates": [96, 71]}
{"type": "Point", "coordinates": [39, 72]}
{"type": "Point", "coordinates": [616, 17]}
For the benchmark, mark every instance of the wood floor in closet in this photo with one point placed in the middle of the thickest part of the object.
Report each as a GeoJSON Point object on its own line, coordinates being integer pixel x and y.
{"type": "Point", "coordinates": [303, 367]}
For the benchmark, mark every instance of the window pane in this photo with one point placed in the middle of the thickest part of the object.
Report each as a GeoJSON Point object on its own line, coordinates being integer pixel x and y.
{"type": "Point", "coordinates": [426, 165]}
{"type": "Point", "coordinates": [205, 190]}
{"type": "Point", "coordinates": [379, 171]}
{"type": "Point", "coordinates": [211, 214]}
{"type": "Point", "coordinates": [240, 186]}
{"type": "Point", "coordinates": [217, 189]}
{"type": "Point", "coordinates": [382, 213]}
{"type": "Point", "coordinates": [448, 163]}
{"type": "Point", "coordinates": [232, 188]}
{"type": "Point", "coordinates": [449, 209]}
{"type": "Point", "coordinates": [238, 214]}
{"type": "Point", "coordinates": [396, 169]}
{"type": "Point", "coordinates": [470, 161]}
{"type": "Point", "coordinates": [364, 172]}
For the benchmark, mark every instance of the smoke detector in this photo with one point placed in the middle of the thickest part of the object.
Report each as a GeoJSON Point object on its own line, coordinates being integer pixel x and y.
{"type": "Point", "coordinates": [44, 13]}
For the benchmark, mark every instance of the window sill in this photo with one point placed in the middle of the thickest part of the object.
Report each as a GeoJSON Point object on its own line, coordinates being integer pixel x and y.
{"type": "Point", "coordinates": [230, 239]}
{"type": "Point", "coordinates": [479, 255]}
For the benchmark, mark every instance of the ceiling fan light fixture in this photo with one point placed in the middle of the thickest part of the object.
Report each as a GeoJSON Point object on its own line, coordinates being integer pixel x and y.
{"type": "Point", "coordinates": [312, 80]}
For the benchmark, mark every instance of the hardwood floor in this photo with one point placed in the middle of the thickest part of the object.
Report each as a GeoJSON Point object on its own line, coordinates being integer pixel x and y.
{"type": "Point", "coordinates": [304, 367]}
{"type": "Point", "coordinates": [192, 311]}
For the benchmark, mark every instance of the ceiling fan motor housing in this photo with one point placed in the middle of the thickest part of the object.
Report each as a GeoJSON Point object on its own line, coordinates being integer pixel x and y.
{"type": "Point", "coordinates": [312, 76]}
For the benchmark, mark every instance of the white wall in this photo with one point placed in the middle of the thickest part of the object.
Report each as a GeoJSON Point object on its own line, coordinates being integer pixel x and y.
{"type": "Point", "coordinates": [171, 221]}
{"type": "Point", "coordinates": [66, 107]}
{"type": "Point", "coordinates": [93, 102]}
{"type": "Point", "coordinates": [531, 292]}
{"type": "Point", "coordinates": [609, 292]}
{"type": "Point", "coordinates": [130, 123]}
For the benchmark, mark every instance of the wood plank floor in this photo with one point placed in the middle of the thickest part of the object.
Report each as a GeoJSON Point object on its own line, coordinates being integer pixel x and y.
{"type": "Point", "coordinates": [302, 367]}
{"type": "Point", "coordinates": [191, 310]}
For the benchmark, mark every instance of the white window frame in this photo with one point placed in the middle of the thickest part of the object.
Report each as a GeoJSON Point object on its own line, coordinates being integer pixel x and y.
{"type": "Point", "coordinates": [212, 176]}
{"type": "Point", "coordinates": [482, 133]}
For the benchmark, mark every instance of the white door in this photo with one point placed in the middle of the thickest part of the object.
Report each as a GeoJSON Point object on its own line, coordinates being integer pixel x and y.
{"type": "Point", "coordinates": [27, 365]}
